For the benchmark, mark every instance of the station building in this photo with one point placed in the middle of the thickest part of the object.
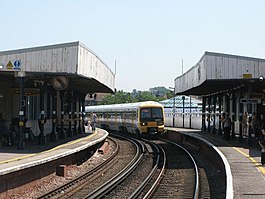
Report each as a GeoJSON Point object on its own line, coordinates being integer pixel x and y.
{"type": "Point", "coordinates": [226, 83]}
{"type": "Point", "coordinates": [43, 89]}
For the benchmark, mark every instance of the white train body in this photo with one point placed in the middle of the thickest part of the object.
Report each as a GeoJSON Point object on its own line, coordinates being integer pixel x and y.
{"type": "Point", "coordinates": [137, 118]}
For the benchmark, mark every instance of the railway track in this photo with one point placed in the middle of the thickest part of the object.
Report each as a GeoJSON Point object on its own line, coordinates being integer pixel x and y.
{"type": "Point", "coordinates": [210, 177]}
{"type": "Point", "coordinates": [187, 174]}
{"type": "Point", "coordinates": [96, 176]}
{"type": "Point", "coordinates": [181, 177]}
{"type": "Point", "coordinates": [166, 170]}
{"type": "Point", "coordinates": [150, 165]}
{"type": "Point", "coordinates": [117, 181]}
{"type": "Point", "coordinates": [147, 169]}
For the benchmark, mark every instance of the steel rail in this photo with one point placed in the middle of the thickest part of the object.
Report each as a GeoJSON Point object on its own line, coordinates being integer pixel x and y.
{"type": "Point", "coordinates": [117, 179]}
{"type": "Point", "coordinates": [196, 189]}
{"type": "Point", "coordinates": [161, 154]}
{"type": "Point", "coordinates": [68, 185]}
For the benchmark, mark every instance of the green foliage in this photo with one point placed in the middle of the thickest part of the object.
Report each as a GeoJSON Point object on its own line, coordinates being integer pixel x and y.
{"type": "Point", "coordinates": [118, 98]}
{"type": "Point", "coordinates": [146, 96]}
{"type": "Point", "coordinates": [154, 94]}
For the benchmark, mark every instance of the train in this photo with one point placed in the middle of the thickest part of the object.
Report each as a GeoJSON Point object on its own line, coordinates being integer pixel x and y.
{"type": "Point", "coordinates": [140, 118]}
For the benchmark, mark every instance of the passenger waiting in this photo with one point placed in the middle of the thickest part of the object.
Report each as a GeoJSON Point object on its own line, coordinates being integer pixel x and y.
{"type": "Point", "coordinates": [94, 121]}
{"type": "Point", "coordinates": [245, 124]}
{"type": "Point", "coordinates": [227, 126]}
{"type": "Point", "coordinates": [261, 124]}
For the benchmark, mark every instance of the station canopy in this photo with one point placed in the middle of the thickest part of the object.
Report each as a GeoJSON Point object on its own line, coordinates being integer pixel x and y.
{"type": "Point", "coordinates": [84, 71]}
{"type": "Point", "coordinates": [221, 73]}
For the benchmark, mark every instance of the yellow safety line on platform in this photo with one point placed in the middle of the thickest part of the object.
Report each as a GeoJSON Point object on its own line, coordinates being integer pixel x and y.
{"type": "Point", "coordinates": [57, 147]}
{"type": "Point", "coordinates": [69, 143]}
{"type": "Point", "coordinates": [259, 166]}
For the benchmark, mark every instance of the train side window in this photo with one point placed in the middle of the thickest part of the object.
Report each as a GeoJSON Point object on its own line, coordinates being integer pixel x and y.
{"type": "Point", "coordinates": [128, 115]}
{"type": "Point", "coordinates": [119, 115]}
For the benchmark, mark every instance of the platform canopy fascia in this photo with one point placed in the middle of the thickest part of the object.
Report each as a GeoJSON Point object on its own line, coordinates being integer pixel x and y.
{"type": "Point", "coordinates": [216, 73]}
{"type": "Point", "coordinates": [85, 71]}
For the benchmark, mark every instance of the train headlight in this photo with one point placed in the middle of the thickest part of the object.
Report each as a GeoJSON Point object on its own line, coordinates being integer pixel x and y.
{"type": "Point", "coordinates": [143, 124]}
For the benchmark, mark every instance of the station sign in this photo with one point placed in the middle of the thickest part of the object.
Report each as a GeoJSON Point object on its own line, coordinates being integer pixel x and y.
{"type": "Point", "coordinates": [11, 65]}
{"type": "Point", "coordinates": [60, 82]}
{"type": "Point", "coordinates": [27, 91]}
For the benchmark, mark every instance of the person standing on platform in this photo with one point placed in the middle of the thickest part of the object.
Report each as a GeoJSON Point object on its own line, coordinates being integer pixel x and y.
{"type": "Point", "coordinates": [245, 124]}
{"type": "Point", "coordinates": [222, 121]}
{"type": "Point", "coordinates": [261, 124]}
{"type": "Point", "coordinates": [87, 123]}
{"type": "Point", "coordinates": [40, 122]}
{"type": "Point", "coordinates": [94, 121]}
{"type": "Point", "coordinates": [227, 126]}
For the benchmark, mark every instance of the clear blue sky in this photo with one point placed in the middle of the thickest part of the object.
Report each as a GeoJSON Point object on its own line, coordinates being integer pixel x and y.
{"type": "Point", "coordinates": [147, 38]}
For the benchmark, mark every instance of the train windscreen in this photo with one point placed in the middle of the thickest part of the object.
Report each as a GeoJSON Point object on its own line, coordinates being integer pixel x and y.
{"type": "Point", "coordinates": [149, 114]}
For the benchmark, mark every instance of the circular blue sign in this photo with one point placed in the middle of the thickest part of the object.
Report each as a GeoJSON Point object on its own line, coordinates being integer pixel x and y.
{"type": "Point", "coordinates": [17, 64]}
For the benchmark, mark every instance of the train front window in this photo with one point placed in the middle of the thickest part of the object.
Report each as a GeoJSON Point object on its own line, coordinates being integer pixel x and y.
{"type": "Point", "coordinates": [151, 114]}
{"type": "Point", "coordinates": [157, 113]}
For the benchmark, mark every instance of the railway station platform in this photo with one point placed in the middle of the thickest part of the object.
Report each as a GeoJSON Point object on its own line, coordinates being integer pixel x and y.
{"type": "Point", "coordinates": [248, 174]}
{"type": "Point", "coordinates": [12, 160]}
{"type": "Point", "coordinates": [36, 161]}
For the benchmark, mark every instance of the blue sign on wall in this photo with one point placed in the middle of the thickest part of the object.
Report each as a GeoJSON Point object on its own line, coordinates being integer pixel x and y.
{"type": "Point", "coordinates": [17, 64]}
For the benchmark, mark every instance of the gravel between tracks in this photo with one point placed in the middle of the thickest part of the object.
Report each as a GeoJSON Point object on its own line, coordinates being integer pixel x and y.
{"type": "Point", "coordinates": [48, 183]}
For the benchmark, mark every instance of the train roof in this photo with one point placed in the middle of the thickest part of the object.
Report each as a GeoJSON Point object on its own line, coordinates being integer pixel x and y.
{"type": "Point", "coordinates": [122, 107]}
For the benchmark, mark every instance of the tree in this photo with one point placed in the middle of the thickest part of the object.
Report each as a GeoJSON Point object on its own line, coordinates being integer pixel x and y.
{"type": "Point", "coordinates": [154, 94]}
{"type": "Point", "coordinates": [119, 97]}
{"type": "Point", "coordinates": [146, 96]}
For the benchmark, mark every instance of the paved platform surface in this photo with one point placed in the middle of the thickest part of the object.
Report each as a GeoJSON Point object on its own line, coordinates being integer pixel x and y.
{"type": "Point", "coordinates": [248, 174]}
{"type": "Point", "coordinates": [12, 159]}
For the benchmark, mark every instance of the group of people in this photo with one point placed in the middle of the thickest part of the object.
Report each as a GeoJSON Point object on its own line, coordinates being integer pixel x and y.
{"type": "Point", "coordinates": [256, 127]}
{"type": "Point", "coordinates": [253, 127]}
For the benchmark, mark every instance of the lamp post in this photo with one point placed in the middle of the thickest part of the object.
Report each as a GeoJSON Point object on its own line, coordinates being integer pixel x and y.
{"type": "Point", "coordinates": [183, 100]}
{"type": "Point", "coordinates": [174, 107]}
{"type": "Point", "coordinates": [190, 112]}
{"type": "Point", "coordinates": [21, 142]}
{"type": "Point", "coordinates": [174, 110]}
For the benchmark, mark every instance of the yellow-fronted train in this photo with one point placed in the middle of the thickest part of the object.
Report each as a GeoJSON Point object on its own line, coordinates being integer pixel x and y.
{"type": "Point", "coordinates": [141, 118]}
